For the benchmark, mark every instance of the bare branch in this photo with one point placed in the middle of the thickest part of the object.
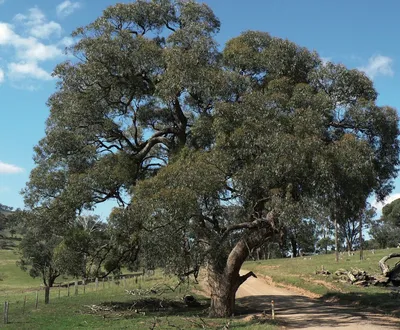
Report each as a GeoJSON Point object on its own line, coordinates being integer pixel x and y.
{"type": "Point", "coordinates": [256, 224]}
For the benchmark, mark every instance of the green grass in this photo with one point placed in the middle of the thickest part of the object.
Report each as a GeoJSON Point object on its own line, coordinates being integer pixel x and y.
{"type": "Point", "coordinates": [300, 272]}
{"type": "Point", "coordinates": [13, 279]}
{"type": "Point", "coordinates": [73, 312]}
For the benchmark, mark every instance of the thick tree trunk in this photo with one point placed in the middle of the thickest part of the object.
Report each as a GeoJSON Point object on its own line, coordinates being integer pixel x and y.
{"type": "Point", "coordinates": [224, 280]}
{"type": "Point", "coordinates": [223, 274]}
{"type": "Point", "coordinates": [223, 291]}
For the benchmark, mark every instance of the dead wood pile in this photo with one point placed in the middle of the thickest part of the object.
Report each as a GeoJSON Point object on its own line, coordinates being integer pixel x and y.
{"type": "Point", "coordinates": [360, 277]}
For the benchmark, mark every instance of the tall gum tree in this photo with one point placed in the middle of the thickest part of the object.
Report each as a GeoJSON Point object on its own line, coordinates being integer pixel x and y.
{"type": "Point", "coordinates": [208, 153]}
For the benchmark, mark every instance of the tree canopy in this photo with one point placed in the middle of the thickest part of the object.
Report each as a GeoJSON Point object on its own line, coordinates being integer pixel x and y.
{"type": "Point", "coordinates": [391, 213]}
{"type": "Point", "coordinates": [210, 153]}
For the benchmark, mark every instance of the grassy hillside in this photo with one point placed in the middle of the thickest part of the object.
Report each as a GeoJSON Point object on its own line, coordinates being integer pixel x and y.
{"type": "Point", "coordinates": [300, 272]}
{"type": "Point", "coordinates": [13, 279]}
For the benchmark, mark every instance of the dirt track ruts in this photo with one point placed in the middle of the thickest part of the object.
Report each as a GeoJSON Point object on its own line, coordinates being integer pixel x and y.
{"type": "Point", "coordinates": [296, 311]}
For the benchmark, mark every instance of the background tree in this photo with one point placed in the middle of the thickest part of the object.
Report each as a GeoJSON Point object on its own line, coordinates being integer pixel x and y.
{"type": "Point", "coordinates": [6, 213]}
{"type": "Point", "coordinates": [37, 257]}
{"type": "Point", "coordinates": [301, 236]}
{"type": "Point", "coordinates": [37, 248]}
{"type": "Point", "coordinates": [384, 235]}
{"type": "Point", "coordinates": [386, 231]}
{"type": "Point", "coordinates": [84, 249]}
{"type": "Point", "coordinates": [350, 228]}
{"type": "Point", "coordinates": [209, 154]}
{"type": "Point", "coordinates": [391, 213]}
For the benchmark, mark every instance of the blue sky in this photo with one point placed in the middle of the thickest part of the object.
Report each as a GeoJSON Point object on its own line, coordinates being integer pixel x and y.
{"type": "Point", "coordinates": [359, 33]}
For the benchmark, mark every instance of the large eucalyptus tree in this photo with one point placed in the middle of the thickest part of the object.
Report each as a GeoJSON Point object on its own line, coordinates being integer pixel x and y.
{"type": "Point", "coordinates": [207, 152]}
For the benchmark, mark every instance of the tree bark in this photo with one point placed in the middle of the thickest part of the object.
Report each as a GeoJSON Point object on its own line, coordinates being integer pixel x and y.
{"type": "Point", "coordinates": [224, 280]}
{"type": "Point", "coordinates": [46, 295]}
{"type": "Point", "coordinates": [293, 243]}
{"type": "Point", "coordinates": [392, 274]}
{"type": "Point", "coordinates": [361, 239]}
{"type": "Point", "coordinates": [223, 291]}
{"type": "Point", "coordinates": [383, 266]}
{"type": "Point", "coordinates": [349, 246]}
{"type": "Point", "coordinates": [223, 273]}
{"type": "Point", "coordinates": [336, 242]}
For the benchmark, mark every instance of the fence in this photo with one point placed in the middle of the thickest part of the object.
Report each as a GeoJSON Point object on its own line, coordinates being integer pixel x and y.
{"type": "Point", "coordinates": [18, 305]}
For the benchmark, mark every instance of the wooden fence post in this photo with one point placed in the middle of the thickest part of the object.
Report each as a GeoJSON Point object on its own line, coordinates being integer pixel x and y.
{"type": "Point", "coordinates": [37, 299]}
{"type": "Point", "coordinates": [104, 285]}
{"type": "Point", "coordinates": [84, 286]}
{"type": "Point", "coordinates": [59, 290]}
{"type": "Point", "coordinates": [97, 283]}
{"type": "Point", "coordinates": [68, 290]}
{"type": "Point", "coordinates": [76, 288]}
{"type": "Point", "coordinates": [6, 312]}
{"type": "Point", "coordinates": [124, 278]}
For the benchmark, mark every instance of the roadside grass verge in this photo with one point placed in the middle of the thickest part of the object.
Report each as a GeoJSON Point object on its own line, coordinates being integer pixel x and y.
{"type": "Point", "coordinates": [109, 306]}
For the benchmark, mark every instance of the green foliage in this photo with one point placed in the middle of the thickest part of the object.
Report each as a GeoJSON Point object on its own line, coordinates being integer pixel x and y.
{"type": "Point", "coordinates": [37, 256]}
{"type": "Point", "coordinates": [385, 235]}
{"type": "Point", "coordinates": [5, 211]}
{"type": "Point", "coordinates": [386, 231]}
{"type": "Point", "coordinates": [391, 213]}
{"type": "Point", "coordinates": [208, 153]}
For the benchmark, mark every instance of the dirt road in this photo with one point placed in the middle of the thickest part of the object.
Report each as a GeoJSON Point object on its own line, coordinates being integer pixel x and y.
{"type": "Point", "coordinates": [300, 312]}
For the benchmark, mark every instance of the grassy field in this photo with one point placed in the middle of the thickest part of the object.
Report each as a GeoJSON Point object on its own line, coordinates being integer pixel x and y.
{"type": "Point", "coordinates": [108, 307]}
{"type": "Point", "coordinates": [13, 279]}
{"type": "Point", "coordinates": [300, 272]}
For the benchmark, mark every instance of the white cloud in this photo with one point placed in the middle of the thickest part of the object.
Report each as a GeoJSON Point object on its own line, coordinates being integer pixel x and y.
{"type": "Point", "coordinates": [30, 49]}
{"type": "Point", "coordinates": [26, 41]}
{"type": "Point", "coordinates": [37, 25]}
{"type": "Point", "coordinates": [44, 31]}
{"type": "Point", "coordinates": [9, 168]}
{"type": "Point", "coordinates": [23, 70]}
{"type": "Point", "coordinates": [379, 205]}
{"type": "Point", "coordinates": [378, 65]}
{"type": "Point", "coordinates": [6, 33]}
{"type": "Point", "coordinates": [66, 42]}
{"type": "Point", "coordinates": [67, 8]}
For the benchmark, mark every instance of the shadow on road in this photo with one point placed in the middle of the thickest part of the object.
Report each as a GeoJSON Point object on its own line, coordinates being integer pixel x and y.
{"type": "Point", "coordinates": [298, 312]}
